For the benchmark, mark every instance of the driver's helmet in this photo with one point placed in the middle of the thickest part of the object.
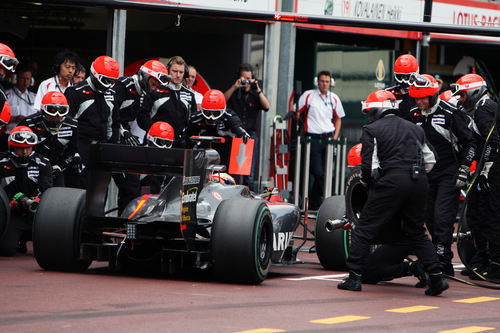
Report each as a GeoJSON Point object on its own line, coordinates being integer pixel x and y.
{"type": "Point", "coordinates": [104, 71]}
{"type": "Point", "coordinates": [378, 104]}
{"type": "Point", "coordinates": [424, 85]}
{"type": "Point", "coordinates": [7, 58]}
{"type": "Point", "coordinates": [160, 135]}
{"type": "Point", "coordinates": [152, 69]}
{"type": "Point", "coordinates": [54, 109]}
{"type": "Point", "coordinates": [473, 85]}
{"type": "Point", "coordinates": [224, 178]}
{"type": "Point", "coordinates": [354, 155]}
{"type": "Point", "coordinates": [213, 106]}
{"type": "Point", "coordinates": [21, 136]}
{"type": "Point", "coordinates": [404, 67]}
{"type": "Point", "coordinates": [5, 114]}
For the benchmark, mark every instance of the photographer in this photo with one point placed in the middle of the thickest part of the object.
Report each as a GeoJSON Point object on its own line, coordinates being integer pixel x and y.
{"type": "Point", "coordinates": [246, 98]}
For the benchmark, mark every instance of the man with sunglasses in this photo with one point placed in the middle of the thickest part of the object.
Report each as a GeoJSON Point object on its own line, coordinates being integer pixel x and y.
{"type": "Point", "coordinates": [57, 135]}
{"type": "Point", "coordinates": [215, 119]}
{"type": "Point", "coordinates": [24, 175]}
{"type": "Point", "coordinates": [448, 132]}
{"type": "Point", "coordinates": [483, 217]}
{"type": "Point", "coordinates": [404, 66]}
{"type": "Point", "coordinates": [92, 104]}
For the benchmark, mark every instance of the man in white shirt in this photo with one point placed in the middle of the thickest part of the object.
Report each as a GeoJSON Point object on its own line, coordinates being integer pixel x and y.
{"type": "Point", "coordinates": [20, 98]}
{"type": "Point", "coordinates": [189, 82]}
{"type": "Point", "coordinates": [322, 112]}
{"type": "Point", "coordinates": [64, 69]}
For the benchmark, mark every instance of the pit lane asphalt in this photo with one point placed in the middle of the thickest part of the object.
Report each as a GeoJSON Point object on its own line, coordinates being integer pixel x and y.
{"type": "Point", "coordinates": [297, 298]}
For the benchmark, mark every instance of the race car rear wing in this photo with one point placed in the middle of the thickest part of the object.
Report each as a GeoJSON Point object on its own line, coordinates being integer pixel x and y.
{"type": "Point", "coordinates": [104, 159]}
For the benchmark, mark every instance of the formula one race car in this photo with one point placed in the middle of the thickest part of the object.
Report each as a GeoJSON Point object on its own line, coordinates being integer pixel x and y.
{"type": "Point", "coordinates": [338, 214]}
{"type": "Point", "coordinates": [193, 223]}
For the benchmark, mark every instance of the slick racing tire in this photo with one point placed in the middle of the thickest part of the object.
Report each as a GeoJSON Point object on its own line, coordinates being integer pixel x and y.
{"type": "Point", "coordinates": [57, 230]}
{"type": "Point", "coordinates": [4, 212]}
{"type": "Point", "coordinates": [331, 247]}
{"type": "Point", "coordinates": [465, 243]}
{"type": "Point", "coordinates": [242, 241]}
{"type": "Point", "coordinates": [356, 196]}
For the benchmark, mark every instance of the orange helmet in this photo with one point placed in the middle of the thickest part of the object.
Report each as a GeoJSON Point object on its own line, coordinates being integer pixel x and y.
{"type": "Point", "coordinates": [224, 178]}
{"type": "Point", "coordinates": [354, 155]}
{"type": "Point", "coordinates": [105, 70]}
{"type": "Point", "coordinates": [161, 135]}
{"type": "Point", "coordinates": [5, 114]}
{"type": "Point", "coordinates": [424, 85]}
{"type": "Point", "coordinates": [213, 105]}
{"type": "Point", "coordinates": [474, 86]}
{"type": "Point", "coordinates": [7, 58]}
{"type": "Point", "coordinates": [154, 69]}
{"type": "Point", "coordinates": [379, 103]}
{"type": "Point", "coordinates": [22, 136]}
{"type": "Point", "coordinates": [404, 66]}
{"type": "Point", "coordinates": [54, 104]}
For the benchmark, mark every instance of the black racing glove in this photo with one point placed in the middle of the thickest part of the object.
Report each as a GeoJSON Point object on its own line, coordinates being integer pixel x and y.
{"type": "Point", "coordinates": [463, 173]}
{"type": "Point", "coordinates": [245, 138]}
{"type": "Point", "coordinates": [56, 171]}
{"type": "Point", "coordinates": [128, 138]}
{"type": "Point", "coordinates": [77, 164]}
{"type": "Point", "coordinates": [146, 102]}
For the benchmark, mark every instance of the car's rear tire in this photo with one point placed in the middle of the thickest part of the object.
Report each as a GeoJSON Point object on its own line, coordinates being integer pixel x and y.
{"type": "Point", "coordinates": [331, 247]}
{"type": "Point", "coordinates": [242, 241]}
{"type": "Point", "coordinates": [4, 212]}
{"type": "Point", "coordinates": [57, 230]}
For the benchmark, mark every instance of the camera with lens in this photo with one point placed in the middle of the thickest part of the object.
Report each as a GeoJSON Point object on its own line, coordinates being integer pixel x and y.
{"type": "Point", "coordinates": [245, 82]}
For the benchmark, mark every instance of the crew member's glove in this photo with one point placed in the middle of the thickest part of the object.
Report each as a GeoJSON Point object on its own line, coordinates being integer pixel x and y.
{"type": "Point", "coordinates": [245, 138]}
{"type": "Point", "coordinates": [463, 173]}
{"type": "Point", "coordinates": [145, 102]}
{"type": "Point", "coordinates": [56, 170]}
{"type": "Point", "coordinates": [483, 176]}
{"type": "Point", "coordinates": [128, 138]}
{"type": "Point", "coordinates": [77, 164]}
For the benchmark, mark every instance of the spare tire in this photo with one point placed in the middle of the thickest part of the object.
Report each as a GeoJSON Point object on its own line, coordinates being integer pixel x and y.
{"type": "Point", "coordinates": [356, 196]}
{"type": "Point", "coordinates": [331, 247]}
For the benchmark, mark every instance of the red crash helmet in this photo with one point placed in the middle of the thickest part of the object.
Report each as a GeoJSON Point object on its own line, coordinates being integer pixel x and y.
{"type": "Point", "coordinates": [5, 114]}
{"type": "Point", "coordinates": [105, 70]}
{"type": "Point", "coordinates": [404, 66]}
{"type": "Point", "coordinates": [213, 105]}
{"type": "Point", "coordinates": [378, 103]}
{"type": "Point", "coordinates": [161, 135]}
{"type": "Point", "coordinates": [22, 136]}
{"type": "Point", "coordinates": [423, 85]}
{"type": "Point", "coordinates": [354, 155]}
{"type": "Point", "coordinates": [473, 85]}
{"type": "Point", "coordinates": [55, 104]}
{"type": "Point", "coordinates": [155, 69]}
{"type": "Point", "coordinates": [7, 58]}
